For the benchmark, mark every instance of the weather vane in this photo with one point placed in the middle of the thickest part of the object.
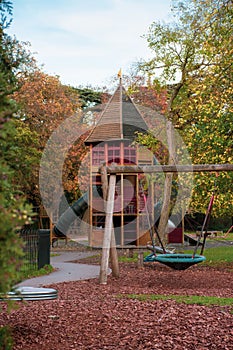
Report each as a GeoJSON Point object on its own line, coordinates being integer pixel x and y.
{"type": "Point", "coordinates": [119, 74]}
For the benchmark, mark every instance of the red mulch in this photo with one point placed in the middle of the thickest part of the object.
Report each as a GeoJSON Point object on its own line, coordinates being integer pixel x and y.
{"type": "Point", "coordinates": [91, 316]}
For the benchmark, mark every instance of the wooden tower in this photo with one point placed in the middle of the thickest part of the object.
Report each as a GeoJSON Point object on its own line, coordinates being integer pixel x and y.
{"type": "Point", "coordinates": [111, 141]}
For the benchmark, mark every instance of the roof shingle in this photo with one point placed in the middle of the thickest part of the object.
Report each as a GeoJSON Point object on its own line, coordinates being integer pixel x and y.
{"type": "Point", "coordinates": [119, 120]}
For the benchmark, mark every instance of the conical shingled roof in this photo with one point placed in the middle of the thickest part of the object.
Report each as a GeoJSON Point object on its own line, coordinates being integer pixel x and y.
{"type": "Point", "coordinates": [119, 120]}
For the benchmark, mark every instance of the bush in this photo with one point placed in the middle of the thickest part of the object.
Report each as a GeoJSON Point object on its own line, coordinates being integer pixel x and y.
{"type": "Point", "coordinates": [6, 341]}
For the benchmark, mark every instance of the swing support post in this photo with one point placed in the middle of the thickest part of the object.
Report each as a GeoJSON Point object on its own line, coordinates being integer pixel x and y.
{"type": "Point", "coordinates": [204, 227]}
{"type": "Point", "coordinates": [109, 237]}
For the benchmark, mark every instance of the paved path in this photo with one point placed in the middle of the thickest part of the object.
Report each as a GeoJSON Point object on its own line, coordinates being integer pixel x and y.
{"type": "Point", "coordinates": [66, 270]}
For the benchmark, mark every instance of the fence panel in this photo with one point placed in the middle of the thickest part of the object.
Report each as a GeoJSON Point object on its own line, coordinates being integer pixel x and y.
{"type": "Point", "coordinates": [30, 238]}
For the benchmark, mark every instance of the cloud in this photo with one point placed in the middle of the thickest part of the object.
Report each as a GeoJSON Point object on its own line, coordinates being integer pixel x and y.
{"type": "Point", "coordinates": [88, 38]}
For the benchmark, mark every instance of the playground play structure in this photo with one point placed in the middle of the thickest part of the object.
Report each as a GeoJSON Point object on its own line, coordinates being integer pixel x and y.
{"type": "Point", "coordinates": [116, 206]}
{"type": "Point", "coordinates": [111, 141]}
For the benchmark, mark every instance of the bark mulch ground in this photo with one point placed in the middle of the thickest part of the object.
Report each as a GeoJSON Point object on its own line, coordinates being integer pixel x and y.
{"type": "Point", "coordinates": [87, 315]}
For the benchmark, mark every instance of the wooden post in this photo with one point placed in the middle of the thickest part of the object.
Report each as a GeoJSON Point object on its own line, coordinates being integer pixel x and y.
{"type": "Point", "coordinates": [113, 250]}
{"type": "Point", "coordinates": [140, 259]}
{"type": "Point", "coordinates": [182, 222]}
{"type": "Point", "coordinates": [114, 256]}
{"type": "Point", "coordinates": [107, 231]}
{"type": "Point", "coordinates": [104, 181]}
{"type": "Point", "coordinates": [147, 169]}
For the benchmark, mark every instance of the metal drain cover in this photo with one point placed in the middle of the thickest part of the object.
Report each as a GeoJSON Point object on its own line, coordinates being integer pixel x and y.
{"type": "Point", "coordinates": [30, 293]}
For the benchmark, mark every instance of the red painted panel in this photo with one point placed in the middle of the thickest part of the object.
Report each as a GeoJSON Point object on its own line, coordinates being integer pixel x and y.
{"type": "Point", "coordinates": [176, 235]}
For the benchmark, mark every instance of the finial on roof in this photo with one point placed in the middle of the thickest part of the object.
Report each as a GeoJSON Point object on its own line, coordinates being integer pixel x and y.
{"type": "Point", "coordinates": [119, 74]}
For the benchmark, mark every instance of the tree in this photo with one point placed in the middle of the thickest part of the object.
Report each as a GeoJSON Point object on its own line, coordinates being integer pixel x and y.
{"type": "Point", "coordinates": [88, 96]}
{"type": "Point", "coordinates": [23, 154]}
{"type": "Point", "coordinates": [75, 177]}
{"type": "Point", "coordinates": [44, 103]}
{"type": "Point", "coordinates": [209, 103]}
{"type": "Point", "coordinates": [150, 96]}
{"type": "Point", "coordinates": [14, 211]}
{"type": "Point", "coordinates": [194, 55]}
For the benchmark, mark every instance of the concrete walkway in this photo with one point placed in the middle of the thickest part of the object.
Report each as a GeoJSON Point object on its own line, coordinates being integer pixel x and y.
{"type": "Point", "coordinates": [66, 270]}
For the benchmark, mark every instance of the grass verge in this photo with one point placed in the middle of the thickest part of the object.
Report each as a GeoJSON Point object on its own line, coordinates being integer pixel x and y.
{"type": "Point", "coordinates": [47, 269]}
{"type": "Point", "coordinates": [185, 299]}
{"type": "Point", "coordinates": [134, 258]}
{"type": "Point", "coordinates": [219, 256]}
{"type": "Point", "coordinates": [216, 257]}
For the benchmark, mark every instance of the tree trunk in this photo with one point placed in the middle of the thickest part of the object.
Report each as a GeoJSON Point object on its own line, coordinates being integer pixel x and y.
{"type": "Point", "coordinates": [168, 184]}
{"type": "Point", "coordinates": [171, 161]}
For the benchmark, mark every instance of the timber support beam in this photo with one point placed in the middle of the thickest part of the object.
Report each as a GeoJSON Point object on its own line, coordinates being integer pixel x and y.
{"type": "Point", "coordinates": [121, 169]}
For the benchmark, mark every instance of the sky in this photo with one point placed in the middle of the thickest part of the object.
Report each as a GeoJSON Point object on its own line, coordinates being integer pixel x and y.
{"type": "Point", "coordinates": [86, 42]}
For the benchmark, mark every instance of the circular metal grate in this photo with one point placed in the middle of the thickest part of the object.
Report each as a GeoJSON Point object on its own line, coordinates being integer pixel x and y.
{"type": "Point", "coordinates": [30, 293]}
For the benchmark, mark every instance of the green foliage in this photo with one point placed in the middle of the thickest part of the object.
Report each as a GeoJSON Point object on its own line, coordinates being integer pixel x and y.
{"type": "Point", "coordinates": [153, 145]}
{"type": "Point", "coordinates": [204, 185]}
{"type": "Point", "coordinates": [193, 56]}
{"type": "Point", "coordinates": [6, 340]}
{"type": "Point", "coordinates": [26, 273]}
{"type": "Point", "coordinates": [5, 14]}
{"type": "Point", "coordinates": [88, 96]}
{"type": "Point", "coordinates": [14, 212]}
{"type": "Point", "coordinates": [19, 151]}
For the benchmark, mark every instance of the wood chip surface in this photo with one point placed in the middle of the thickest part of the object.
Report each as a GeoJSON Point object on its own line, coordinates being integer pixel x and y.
{"type": "Point", "coordinates": [88, 316]}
